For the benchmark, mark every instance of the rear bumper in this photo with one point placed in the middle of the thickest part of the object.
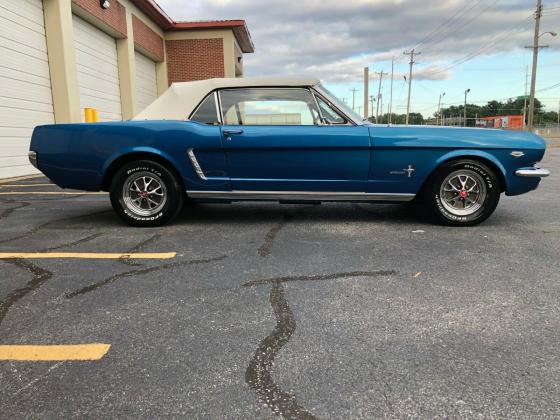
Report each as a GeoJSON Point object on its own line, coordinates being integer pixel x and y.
{"type": "Point", "coordinates": [33, 158]}
{"type": "Point", "coordinates": [532, 172]}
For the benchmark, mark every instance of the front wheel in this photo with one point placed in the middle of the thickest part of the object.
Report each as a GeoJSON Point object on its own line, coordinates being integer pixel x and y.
{"type": "Point", "coordinates": [463, 193]}
{"type": "Point", "coordinates": [145, 194]}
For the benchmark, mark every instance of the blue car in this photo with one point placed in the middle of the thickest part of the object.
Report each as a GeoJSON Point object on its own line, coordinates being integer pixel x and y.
{"type": "Point", "coordinates": [287, 140]}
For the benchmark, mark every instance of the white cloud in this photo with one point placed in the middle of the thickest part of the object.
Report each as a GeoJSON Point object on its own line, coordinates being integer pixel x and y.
{"type": "Point", "coordinates": [334, 39]}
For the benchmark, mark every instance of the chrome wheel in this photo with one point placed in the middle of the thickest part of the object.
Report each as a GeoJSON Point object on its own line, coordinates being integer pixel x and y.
{"type": "Point", "coordinates": [144, 193]}
{"type": "Point", "coordinates": [463, 192]}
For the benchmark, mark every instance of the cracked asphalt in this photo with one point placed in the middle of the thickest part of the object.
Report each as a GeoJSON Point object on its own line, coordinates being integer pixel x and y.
{"type": "Point", "coordinates": [331, 311]}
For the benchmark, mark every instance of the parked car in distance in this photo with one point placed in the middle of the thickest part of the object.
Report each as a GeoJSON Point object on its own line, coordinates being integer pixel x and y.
{"type": "Point", "coordinates": [287, 140]}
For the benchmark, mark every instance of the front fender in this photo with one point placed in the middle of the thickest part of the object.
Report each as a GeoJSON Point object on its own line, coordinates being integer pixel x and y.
{"type": "Point", "coordinates": [473, 153]}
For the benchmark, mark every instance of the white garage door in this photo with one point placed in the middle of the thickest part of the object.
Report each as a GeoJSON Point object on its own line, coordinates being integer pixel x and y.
{"type": "Point", "coordinates": [25, 86]}
{"type": "Point", "coordinates": [146, 82]}
{"type": "Point", "coordinates": [98, 71]}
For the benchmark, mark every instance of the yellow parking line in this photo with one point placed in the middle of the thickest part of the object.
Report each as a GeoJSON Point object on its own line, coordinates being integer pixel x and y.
{"type": "Point", "coordinates": [87, 255]}
{"type": "Point", "coordinates": [20, 178]}
{"type": "Point", "coordinates": [51, 193]}
{"type": "Point", "coordinates": [26, 185]}
{"type": "Point", "coordinates": [53, 353]}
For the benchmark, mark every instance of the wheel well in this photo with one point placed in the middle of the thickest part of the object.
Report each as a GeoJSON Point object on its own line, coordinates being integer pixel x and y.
{"type": "Point", "coordinates": [489, 163]}
{"type": "Point", "coordinates": [130, 157]}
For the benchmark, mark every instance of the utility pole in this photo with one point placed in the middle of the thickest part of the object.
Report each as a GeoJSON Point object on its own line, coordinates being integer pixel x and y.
{"type": "Point", "coordinates": [525, 98]}
{"type": "Point", "coordinates": [438, 117]}
{"type": "Point", "coordinates": [536, 47]}
{"type": "Point", "coordinates": [391, 97]}
{"type": "Point", "coordinates": [366, 92]}
{"type": "Point", "coordinates": [354, 98]}
{"type": "Point", "coordinates": [381, 73]}
{"type": "Point", "coordinates": [380, 102]}
{"type": "Point", "coordinates": [412, 62]}
{"type": "Point", "coordinates": [465, 109]}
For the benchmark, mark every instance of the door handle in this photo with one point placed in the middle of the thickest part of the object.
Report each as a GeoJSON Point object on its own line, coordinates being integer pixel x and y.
{"type": "Point", "coordinates": [230, 132]}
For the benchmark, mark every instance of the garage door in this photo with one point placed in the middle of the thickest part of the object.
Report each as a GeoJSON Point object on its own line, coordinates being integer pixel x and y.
{"type": "Point", "coordinates": [25, 87]}
{"type": "Point", "coordinates": [146, 82]}
{"type": "Point", "coordinates": [98, 71]}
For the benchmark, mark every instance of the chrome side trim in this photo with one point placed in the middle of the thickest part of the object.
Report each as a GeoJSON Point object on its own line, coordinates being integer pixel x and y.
{"type": "Point", "coordinates": [218, 107]}
{"type": "Point", "coordinates": [196, 165]}
{"type": "Point", "coordinates": [533, 172]}
{"type": "Point", "coordinates": [299, 196]}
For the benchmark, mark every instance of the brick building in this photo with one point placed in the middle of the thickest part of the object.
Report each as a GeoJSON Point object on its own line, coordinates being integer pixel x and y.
{"type": "Point", "coordinates": [61, 56]}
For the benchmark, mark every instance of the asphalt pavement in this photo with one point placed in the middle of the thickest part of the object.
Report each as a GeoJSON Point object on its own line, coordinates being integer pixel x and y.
{"type": "Point", "coordinates": [261, 310]}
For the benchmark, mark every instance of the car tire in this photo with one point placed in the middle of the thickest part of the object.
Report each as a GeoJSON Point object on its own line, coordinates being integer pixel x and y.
{"type": "Point", "coordinates": [145, 193]}
{"type": "Point", "coordinates": [463, 193]}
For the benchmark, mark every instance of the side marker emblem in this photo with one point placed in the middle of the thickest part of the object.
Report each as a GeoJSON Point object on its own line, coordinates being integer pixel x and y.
{"type": "Point", "coordinates": [517, 154]}
{"type": "Point", "coordinates": [409, 171]}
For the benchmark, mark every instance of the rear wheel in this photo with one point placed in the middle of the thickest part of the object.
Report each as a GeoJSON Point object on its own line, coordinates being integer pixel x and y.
{"type": "Point", "coordinates": [463, 193]}
{"type": "Point", "coordinates": [145, 193]}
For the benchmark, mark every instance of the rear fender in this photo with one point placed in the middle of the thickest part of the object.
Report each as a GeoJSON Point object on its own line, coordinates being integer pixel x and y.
{"type": "Point", "coordinates": [146, 152]}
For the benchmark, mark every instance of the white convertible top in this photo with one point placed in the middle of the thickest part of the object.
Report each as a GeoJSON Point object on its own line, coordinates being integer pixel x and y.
{"type": "Point", "coordinates": [180, 100]}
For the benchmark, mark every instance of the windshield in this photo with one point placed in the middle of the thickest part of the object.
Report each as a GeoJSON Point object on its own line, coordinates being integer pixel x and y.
{"type": "Point", "coordinates": [340, 104]}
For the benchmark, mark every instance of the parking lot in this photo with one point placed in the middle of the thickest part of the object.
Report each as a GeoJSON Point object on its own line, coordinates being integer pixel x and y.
{"type": "Point", "coordinates": [254, 309]}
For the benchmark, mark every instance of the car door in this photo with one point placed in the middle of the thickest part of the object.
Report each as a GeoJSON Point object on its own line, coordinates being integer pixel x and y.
{"type": "Point", "coordinates": [275, 140]}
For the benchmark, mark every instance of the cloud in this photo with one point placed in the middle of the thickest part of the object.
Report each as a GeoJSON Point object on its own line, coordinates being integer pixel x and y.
{"type": "Point", "coordinates": [335, 39]}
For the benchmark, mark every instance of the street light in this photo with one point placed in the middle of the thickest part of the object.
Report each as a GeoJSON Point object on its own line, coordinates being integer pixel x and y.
{"type": "Point", "coordinates": [438, 119]}
{"type": "Point", "coordinates": [549, 32]}
{"type": "Point", "coordinates": [465, 108]}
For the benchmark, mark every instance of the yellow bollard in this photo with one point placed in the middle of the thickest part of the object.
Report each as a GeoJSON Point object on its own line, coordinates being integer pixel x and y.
{"type": "Point", "coordinates": [95, 115]}
{"type": "Point", "coordinates": [88, 114]}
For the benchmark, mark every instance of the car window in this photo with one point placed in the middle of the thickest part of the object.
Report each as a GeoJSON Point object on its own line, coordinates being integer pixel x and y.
{"type": "Point", "coordinates": [207, 112]}
{"type": "Point", "coordinates": [329, 113]}
{"type": "Point", "coordinates": [264, 106]}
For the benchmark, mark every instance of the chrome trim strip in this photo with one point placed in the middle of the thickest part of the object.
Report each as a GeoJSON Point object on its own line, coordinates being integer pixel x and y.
{"type": "Point", "coordinates": [349, 121]}
{"type": "Point", "coordinates": [196, 165]}
{"type": "Point", "coordinates": [533, 173]}
{"type": "Point", "coordinates": [300, 195]}
{"type": "Point", "coordinates": [321, 116]}
{"type": "Point", "coordinates": [218, 98]}
{"type": "Point", "coordinates": [218, 112]}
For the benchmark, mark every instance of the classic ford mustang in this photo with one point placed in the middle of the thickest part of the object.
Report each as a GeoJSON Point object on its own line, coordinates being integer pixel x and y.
{"type": "Point", "coordinates": [287, 140]}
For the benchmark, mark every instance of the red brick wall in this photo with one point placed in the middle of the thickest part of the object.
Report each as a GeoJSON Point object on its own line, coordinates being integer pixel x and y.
{"type": "Point", "coordinates": [147, 39]}
{"type": "Point", "coordinates": [194, 59]}
{"type": "Point", "coordinates": [114, 16]}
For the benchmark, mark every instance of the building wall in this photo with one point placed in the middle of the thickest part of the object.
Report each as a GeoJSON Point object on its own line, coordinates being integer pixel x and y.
{"type": "Point", "coordinates": [179, 55]}
{"type": "Point", "coordinates": [213, 48]}
{"type": "Point", "coordinates": [147, 40]}
{"type": "Point", "coordinates": [195, 59]}
{"type": "Point", "coordinates": [114, 17]}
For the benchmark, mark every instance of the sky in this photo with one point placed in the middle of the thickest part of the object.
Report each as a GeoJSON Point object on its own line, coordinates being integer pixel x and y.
{"type": "Point", "coordinates": [464, 44]}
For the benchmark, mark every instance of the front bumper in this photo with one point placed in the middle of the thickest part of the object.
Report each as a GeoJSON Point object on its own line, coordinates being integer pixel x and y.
{"type": "Point", "coordinates": [532, 172]}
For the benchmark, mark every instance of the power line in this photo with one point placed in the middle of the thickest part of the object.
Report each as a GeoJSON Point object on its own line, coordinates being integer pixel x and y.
{"type": "Point", "coordinates": [456, 29]}
{"type": "Point", "coordinates": [483, 49]}
{"type": "Point", "coordinates": [548, 88]}
{"type": "Point", "coordinates": [449, 21]}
